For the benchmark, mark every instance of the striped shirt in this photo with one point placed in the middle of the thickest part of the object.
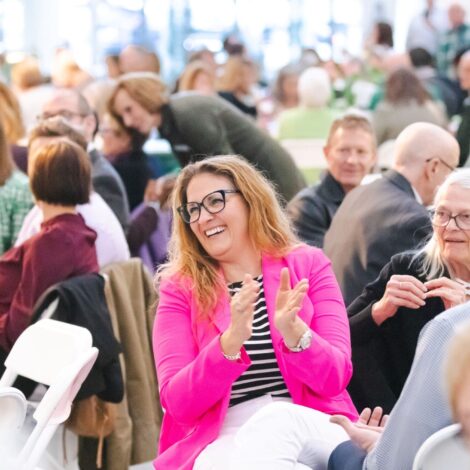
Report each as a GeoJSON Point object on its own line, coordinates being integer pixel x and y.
{"type": "Point", "coordinates": [263, 377]}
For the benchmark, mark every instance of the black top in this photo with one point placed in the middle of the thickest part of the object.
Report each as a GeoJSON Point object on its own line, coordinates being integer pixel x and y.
{"type": "Point", "coordinates": [135, 172]}
{"type": "Point", "coordinates": [313, 209]}
{"type": "Point", "coordinates": [243, 107]}
{"type": "Point", "coordinates": [382, 355]}
{"type": "Point", "coordinates": [463, 133]}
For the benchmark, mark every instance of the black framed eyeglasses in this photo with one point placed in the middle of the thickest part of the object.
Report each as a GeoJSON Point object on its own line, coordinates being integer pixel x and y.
{"type": "Point", "coordinates": [213, 202]}
{"type": "Point", "coordinates": [442, 218]}
{"type": "Point", "coordinates": [450, 167]}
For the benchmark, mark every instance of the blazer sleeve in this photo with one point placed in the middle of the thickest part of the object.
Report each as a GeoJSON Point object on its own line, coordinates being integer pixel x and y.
{"type": "Point", "coordinates": [191, 379]}
{"type": "Point", "coordinates": [326, 366]}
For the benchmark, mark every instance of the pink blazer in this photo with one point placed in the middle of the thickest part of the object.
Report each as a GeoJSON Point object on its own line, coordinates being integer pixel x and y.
{"type": "Point", "coordinates": [195, 379]}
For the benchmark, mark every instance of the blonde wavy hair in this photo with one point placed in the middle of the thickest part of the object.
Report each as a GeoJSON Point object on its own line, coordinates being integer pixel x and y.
{"type": "Point", "coordinates": [233, 78]}
{"type": "Point", "coordinates": [146, 88]}
{"type": "Point", "coordinates": [191, 72]}
{"type": "Point", "coordinates": [269, 226]}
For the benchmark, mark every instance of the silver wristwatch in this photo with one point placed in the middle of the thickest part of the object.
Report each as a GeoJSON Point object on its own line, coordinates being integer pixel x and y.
{"type": "Point", "coordinates": [304, 342]}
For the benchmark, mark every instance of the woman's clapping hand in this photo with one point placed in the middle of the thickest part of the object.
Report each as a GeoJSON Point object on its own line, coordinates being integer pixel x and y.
{"type": "Point", "coordinates": [242, 308]}
{"type": "Point", "coordinates": [288, 304]}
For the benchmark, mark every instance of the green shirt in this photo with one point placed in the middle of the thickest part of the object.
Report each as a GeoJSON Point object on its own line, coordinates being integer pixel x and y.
{"type": "Point", "coordinates": [15, 202]}
{"type": "Point", "coordinates": [306, 123]}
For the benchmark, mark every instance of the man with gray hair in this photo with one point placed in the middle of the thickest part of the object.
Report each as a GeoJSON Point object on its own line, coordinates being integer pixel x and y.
{"type": "Point", "coordinates": [389, 216]}
{"type": "Point", "coordinates": [75, 110]}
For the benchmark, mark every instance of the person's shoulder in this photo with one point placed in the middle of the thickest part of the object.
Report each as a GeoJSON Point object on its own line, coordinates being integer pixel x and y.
{"type": "Point", "coordinates": [407, 260]}
{"type": "Point", "coordinates": [17, 181]}
{"type": "Point", "coordinates": [308, 194]}
{"type": "Point", "coordinates": [304, 253]}
{"type": "Point", "coordinates": [98, 215]}
{"type": "Point", "coordinates": [174, 283]}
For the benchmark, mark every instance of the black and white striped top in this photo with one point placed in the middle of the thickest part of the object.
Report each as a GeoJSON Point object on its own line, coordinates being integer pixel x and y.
{"type": "Point", "coordinates": [263, 377]}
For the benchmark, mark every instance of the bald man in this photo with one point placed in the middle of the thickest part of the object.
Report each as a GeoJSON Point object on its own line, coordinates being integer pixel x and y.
{"type": "Point", "coordinates": [389, 216]}
{"type": "Point", "coordinates": [463, 132]}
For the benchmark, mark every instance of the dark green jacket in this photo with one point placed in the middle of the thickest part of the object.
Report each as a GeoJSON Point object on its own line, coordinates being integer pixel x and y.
{"type": "Point", "coordinates": [198, 126]}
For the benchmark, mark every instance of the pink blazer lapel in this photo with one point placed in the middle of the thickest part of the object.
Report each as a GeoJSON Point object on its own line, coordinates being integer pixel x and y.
{"type": "Point", "coordinates": [221, 317]}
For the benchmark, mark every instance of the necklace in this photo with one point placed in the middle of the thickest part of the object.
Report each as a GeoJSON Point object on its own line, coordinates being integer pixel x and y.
{"type": "Point", "coordinates": [465, 284]}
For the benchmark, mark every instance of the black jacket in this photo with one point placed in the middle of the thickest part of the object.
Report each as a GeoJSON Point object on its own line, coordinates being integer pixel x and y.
{"type": "Point", "coordinates": [382, 355]}
{"type": "Point", "coordinates": [82, 302]}
{"type": "Point", "coordinates": [374, 222]}
{"type": "Point", "coordinates": [313, 209]}
{"type": "Point", "coordinates": [463, 134]}
{"type": "Point", "coordinates": [135, 172]}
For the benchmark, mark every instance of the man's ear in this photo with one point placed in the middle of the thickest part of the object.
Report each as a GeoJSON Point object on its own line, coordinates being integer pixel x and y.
{"type": "Point", "coordinates": [432, 167]}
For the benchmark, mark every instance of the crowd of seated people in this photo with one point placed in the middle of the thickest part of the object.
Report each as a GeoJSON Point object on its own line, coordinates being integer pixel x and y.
{"type": "Point", "coordinates": [260, 336]}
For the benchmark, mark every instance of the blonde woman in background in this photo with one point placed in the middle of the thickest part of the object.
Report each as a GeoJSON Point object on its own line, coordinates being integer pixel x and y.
{"type": "Point", "coordinates": [236, 82]}
{"type": "Point", "coordinates": [197, 76]}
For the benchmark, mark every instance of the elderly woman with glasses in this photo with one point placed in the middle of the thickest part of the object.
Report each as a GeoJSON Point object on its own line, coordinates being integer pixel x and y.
{"type": "Point", "coordinates": [411, 289]}
{"type": "Point", "coordinates": [250, 325]}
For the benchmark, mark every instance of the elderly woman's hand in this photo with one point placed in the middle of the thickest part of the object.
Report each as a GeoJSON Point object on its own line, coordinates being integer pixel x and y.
{"type": "Point", "coordinates": [242, 309]}
{"type": "Point", "coordinates": [288, 303]}
{"type": "Point", "coordinates": [451, 292]}
{"type": "Point", "coordinates": [402, 290]}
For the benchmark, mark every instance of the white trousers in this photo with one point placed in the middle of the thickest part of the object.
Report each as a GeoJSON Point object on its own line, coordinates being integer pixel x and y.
{"type": "Point", "coordinates": [267, 434]}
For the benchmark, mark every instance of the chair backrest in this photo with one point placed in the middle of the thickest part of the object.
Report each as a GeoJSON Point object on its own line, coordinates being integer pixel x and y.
{"type": "Point", "coordinates": [442, 450]}
{"type": "Point", "coordinates": [56, 354]}
{"type": "Point", "coordinates": [43, 350]}
{"type": "Point", "coordinates": [307, 153]}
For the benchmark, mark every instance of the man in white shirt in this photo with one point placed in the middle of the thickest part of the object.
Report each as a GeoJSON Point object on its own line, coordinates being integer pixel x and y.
{"type": "Point", "coordinates": [111, 244]}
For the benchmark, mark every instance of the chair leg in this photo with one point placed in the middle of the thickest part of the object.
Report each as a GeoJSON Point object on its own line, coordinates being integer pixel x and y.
{"type": "Point", "coordinates": [35, 446]}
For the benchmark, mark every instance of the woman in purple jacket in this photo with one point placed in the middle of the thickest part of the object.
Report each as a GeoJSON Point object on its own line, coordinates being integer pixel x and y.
{"type": "Point", "coordinates": [250, 325]}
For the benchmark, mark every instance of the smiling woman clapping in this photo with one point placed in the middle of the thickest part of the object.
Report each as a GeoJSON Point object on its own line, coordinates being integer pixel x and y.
{"type": "Point", "coordinates": [250, 325]}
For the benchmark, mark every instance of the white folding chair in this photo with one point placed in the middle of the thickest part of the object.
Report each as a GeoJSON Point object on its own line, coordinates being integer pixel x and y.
{"type": "Point", "coordinates": [12, 414]}
{"type": "Point", "coordinates": [56, 354]}
{"type": "Point", "coordinates": [443, 449]}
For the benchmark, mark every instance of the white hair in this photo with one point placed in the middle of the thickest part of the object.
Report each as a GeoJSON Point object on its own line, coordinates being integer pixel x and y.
{"type": "Point", "coordinates": [314, 88]}
{"type": "Point", "coordinates": [433, 264]}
